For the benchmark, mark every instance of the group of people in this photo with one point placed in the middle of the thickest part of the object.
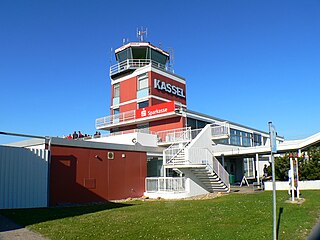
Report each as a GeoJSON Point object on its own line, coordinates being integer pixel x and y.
{"type": "Point", "coordinates": [79, 135]}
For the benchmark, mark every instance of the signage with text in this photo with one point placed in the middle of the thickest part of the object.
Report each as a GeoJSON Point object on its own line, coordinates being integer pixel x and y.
{"type": "Point", "coordinates": [155, 110]}
{"type": "Point", "coordinates": [169, 88]}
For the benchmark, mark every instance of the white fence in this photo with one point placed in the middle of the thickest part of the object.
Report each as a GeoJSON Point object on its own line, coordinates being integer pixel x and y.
{"type": "Point", "coordinates": [165, 184]}
{"type": "Point", "coordinates": [303, 185]}
{"type": "Point", "coordinates": [23, 177]}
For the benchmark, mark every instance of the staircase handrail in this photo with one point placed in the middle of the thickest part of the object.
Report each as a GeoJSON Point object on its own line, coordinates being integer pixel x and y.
{"type": "Point", "coordinates": [177, 150]}
{"type": "Point", "coordinates": [205, 156]}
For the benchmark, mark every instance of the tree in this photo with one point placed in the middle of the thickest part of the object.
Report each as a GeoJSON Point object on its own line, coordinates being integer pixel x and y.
{"type": "Point", "coordinates": [309, 165]}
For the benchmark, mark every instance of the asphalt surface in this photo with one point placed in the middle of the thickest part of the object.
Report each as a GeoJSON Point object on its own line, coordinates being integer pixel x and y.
{"type": "Point", "coordinates": [11, 231]}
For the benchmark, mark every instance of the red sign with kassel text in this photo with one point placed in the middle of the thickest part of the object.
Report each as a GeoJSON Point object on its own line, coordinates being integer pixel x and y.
{"type": "Point", "coordinates": [155, 110]}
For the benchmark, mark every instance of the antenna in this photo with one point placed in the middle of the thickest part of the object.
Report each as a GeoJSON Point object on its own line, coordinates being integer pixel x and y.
{"type": "Point", "coordinates": [141, 33]}
{"type": "Point", "coordinates": [110, 57]}
{"type": "Point", "coordinates": [171, 59]}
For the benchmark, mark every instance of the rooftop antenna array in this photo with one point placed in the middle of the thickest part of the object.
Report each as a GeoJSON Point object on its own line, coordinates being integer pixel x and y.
{"type": "Point", "coordinates": [125, 41]}
{"type": "Point", "coordinates": [110, 56]}
{"type": "Point", "coordinates": [142, 33]}
{"type": "Point", "coordinates": [171, 59]}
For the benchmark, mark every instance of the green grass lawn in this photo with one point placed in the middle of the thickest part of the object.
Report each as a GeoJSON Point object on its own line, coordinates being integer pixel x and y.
{"type": "Point", "coordinates": [234, 216]}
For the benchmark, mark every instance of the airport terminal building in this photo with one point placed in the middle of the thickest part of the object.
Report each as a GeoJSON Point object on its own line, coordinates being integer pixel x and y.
{"type": "Point", "coordinates": [155, 145]}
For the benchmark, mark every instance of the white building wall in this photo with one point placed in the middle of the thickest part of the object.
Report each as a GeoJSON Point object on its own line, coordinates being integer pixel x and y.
{"type": "Point", "coordinates": [144, 139]}
{"type": "Point", "coordinates": [23, 177]}
{"type": "Point", "coordinates": [303, 185]}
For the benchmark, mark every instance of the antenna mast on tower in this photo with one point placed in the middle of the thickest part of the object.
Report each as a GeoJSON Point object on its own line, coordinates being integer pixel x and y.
{"type": "Point", "coordinates": [171, 60]}
{"type": "Point", "coordinates": [141, 33]}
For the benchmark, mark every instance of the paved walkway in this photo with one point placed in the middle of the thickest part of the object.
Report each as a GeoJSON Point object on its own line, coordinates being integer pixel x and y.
{"type": "Point", "coordinates": [11, 231]}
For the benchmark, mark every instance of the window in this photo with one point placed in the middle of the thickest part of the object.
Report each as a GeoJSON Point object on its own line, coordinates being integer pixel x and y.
{"type": "Point", "coordinates": [143, 128]}
{"type": "Point", "coordinates": [116, 90]}
{"type": "Point", "coordinates": [246, 139]}
{"type": "Point", "coordinates": [248, 167]}
{"type": "Point", "coordinates": [116, 111]}
{"type": "Point", "coordinates": [142, 86]}
{"type": "Point", "coordinates": [235, 137]}
{"type": "Point", "coordinates": [191, 123]}
{"type": "Point", "coordinates": [142, 82]}
{"type": "Point", "coordinates": [116, 116]}
{"type": "Point", "coordinates": [256, 139]}
{"type": "Point", "coordinates": [143, 104]}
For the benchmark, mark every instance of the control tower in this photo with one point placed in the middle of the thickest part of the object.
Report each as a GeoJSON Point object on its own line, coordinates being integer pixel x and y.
{"type": "Point", "coordinates": [146, 95]}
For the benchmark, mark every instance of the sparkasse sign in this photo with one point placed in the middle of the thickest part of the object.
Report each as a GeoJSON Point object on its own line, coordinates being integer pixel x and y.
{"type": "Point", "coordinates": [155, 110]}
{"type": "Point", "coordinates": [169, 88]}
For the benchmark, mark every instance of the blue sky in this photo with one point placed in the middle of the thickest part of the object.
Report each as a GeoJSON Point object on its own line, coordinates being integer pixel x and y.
{"type": "Point", "coordinates": [249, 62]}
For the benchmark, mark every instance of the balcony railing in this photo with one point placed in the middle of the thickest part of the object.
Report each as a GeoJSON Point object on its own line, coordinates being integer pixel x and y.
{"type": "Point", "coordinates": [134, 64]}
{"type": "Point", "coordinates": [116, 118]}
{"type": "Point", "coordinates": [127, 118]}
{"type": "Point", "coordinates": [165, 184]}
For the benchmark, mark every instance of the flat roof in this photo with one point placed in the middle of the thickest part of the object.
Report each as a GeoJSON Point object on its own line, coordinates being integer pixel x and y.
{"type": "Point", "coordinates": [85, 144]}
{"type": "Point", "coordinates": [141, 44]}
{"type": "Point", "coordinates": [223, 120]}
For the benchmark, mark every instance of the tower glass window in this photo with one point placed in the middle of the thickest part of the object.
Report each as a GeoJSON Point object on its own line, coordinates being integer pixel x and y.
{"type": "Point", "coordinates": [143, 81]}
{"type": "Point", "coordinates": [142, 85]}
{"type": "Point", "coordinates": [116, 94]}
{"type": "Point", "coordinates": [116, 90]}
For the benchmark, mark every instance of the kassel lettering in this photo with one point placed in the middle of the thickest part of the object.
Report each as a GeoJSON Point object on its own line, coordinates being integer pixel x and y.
{"type": "Point", "coordinates": [168, 88]}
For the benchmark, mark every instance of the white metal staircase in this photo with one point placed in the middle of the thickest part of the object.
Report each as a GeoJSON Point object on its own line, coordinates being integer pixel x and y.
{"type": "Point", "coordinates": [195, 159]}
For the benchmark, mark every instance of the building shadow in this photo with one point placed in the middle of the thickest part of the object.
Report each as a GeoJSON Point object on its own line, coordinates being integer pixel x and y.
{"type": "Point", "coordinates": [68, 198]}
{"type": "Point", "coordinates": [18, 218]}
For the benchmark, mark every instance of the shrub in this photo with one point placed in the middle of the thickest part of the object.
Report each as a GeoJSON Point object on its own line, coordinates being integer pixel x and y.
{"type": "Point", "coordinates": [309, 165]}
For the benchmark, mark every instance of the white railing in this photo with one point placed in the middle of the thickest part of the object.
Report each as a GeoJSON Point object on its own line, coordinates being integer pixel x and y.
{"type": "Point", "coordinates": [220, 130]}
{"type": "Point", "coordinates": [171, 152]}
{"type": "Point", "coordinates": [116, 118]}
{"type": "Point", "coordinates": [174, 135]}
{"type": "Point", "coordinates": [177, 135]}
{"type": "Point", "coordinates": [204, 156]}
{"type": "Point", "coordinates": [165, 184]}
{"type": "Point", "coordinates": [181, 140]}
{"type": "Point", "coordinates": [134, 64]}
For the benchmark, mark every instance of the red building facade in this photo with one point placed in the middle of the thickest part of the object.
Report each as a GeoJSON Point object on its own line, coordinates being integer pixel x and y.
{"type": "Point", "coordinates": [142, 80]}
{"type": "Point", "coordinates": [80, 173]}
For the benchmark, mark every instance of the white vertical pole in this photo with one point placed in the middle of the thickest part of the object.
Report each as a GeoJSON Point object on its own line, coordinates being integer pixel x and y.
{"type": "Point", "coordinates": [292, 179]}
{"type": "Point", "coordinates": [258, 168]}
{"type": "Point", "coordinates": [274, 207]}
{"type": "Point", "coordinates": [297, 166]}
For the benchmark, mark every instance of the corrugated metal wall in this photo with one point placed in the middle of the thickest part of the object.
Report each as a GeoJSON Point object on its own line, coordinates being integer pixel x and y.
{"type": "Point", "coordinates": [23, 177]}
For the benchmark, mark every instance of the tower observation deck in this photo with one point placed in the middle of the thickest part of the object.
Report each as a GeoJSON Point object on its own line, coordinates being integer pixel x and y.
{"type": "Point", "coordinates": [138, 54]}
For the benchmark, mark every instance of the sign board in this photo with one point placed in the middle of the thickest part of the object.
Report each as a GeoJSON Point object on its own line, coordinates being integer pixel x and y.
{"type": "Point", "coordinates": [155, 110]}
{"type": "Point", "coordinates": [169, 88]}
{"type": "Point", "coordinates": [273, 138]}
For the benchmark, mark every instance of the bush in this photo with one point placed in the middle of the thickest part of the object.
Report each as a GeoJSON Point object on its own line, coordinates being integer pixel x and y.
{"type": "Point", "coordinates": [309, 165]}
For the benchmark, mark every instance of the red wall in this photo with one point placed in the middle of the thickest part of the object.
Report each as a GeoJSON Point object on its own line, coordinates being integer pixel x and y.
{"type": "Point", "coordinates": [128, 89]}
{"type": "Point", "coordinates": [79, 175]}
{"type": "Point", "coordinates": [167, 124]}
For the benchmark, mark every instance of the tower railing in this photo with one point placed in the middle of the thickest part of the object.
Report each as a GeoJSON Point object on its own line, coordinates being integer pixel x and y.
{"type": "Point", "coordinates": [134, 64]}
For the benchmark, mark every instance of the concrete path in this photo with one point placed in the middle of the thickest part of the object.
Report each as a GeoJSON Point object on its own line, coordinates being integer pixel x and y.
{"type": "Point", "coordinates": [11, 231]}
